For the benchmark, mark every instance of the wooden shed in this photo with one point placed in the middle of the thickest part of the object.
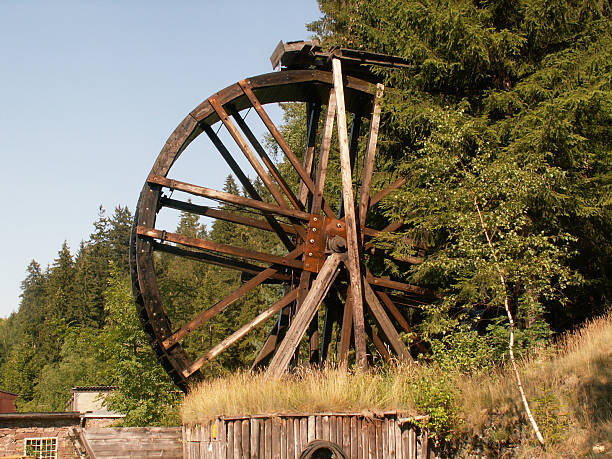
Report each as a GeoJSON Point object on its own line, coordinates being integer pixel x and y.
{"type": "Point", "coordinates": [359, 435]}
{"type": "Point", "coordinates": [7, 402]}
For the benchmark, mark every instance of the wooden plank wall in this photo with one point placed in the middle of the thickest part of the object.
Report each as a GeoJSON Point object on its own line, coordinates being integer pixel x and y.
{"type": "Point", "coordinates": [285, 437]}
{"type": "Point", "coordinates": [133, 442]}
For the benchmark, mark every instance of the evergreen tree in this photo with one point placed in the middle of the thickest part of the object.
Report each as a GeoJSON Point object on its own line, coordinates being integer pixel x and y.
{"type": "Point", "coordinates": [507, 103]}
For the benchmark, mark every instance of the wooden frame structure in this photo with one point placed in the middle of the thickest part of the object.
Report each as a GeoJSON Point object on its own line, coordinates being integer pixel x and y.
{"type": "Point", "coordinates": [319, 243]}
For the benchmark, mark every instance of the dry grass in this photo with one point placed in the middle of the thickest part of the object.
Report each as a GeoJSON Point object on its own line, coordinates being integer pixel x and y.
{"type": "Point", "coordinates": [569, 388]}
{"type": "Point", "coordinates": [307, 391]}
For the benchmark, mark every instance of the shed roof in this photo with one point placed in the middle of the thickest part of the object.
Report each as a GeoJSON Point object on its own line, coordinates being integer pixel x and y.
{"type": "Point", "coordinates": [93, 388]}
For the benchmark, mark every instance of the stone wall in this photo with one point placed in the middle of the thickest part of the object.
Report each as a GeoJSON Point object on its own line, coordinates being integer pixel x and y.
{"type": "Point", "coordinates": [16, 428]}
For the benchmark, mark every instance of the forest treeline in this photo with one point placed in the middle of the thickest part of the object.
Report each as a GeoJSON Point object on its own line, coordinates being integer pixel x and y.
{"type": "Point", "coordinates": [507, 103]}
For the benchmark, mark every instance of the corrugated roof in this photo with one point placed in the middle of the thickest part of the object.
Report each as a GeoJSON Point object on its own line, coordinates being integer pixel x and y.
{"type": "Point", "coordinates": [94, 388]}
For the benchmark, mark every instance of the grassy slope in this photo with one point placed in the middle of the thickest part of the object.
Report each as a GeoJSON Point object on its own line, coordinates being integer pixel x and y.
{"type": "Point", "coordinates": [569, 387]}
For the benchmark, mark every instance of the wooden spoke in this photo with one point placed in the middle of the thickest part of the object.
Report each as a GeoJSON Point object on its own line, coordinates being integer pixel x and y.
{"type": "Point", "coordinates": [246, 183]}
{"type": "Point", "coordinates": [265, 158]}
{"type": "Point", "coordinates": [282, 143]}
{"type": "Point", "coordinates": [224, 262]}
{"type": "Point", "coordinates": [382, 282]}
{"type": "Point", "coordinates": [378, 342]}
{"type": "Point", "coordinates": [384, 324]}
{"type": "Point", "coordinates": [248, 153]}
{"type": "Point", "coordinates": [228, 197]}
{"type": "Point", "coordinates": [347, 330]}
{"type": "Point", "coordinates": [399, 317]}
{"type": "Point", "coordinates": [224, 303]}
{"type": "Point", "coordinates": [313, 113]}
{"type": "Point", "coordinates": [241, 332]}
{"type": "Point", "coordinates": [368, 164]}
{"type": "Point", "coordinates": [304, 316]}
{"type": "Point", "coordinates": [353, 256]}
{"type": "Point", "coordinates": [221, 248]}
{"type": "Point", "coordinates": [223, 215]}
{"type": "Point", "coordinates": [387, 191]}
{"type": "Point", "coordinates": [353, 147]}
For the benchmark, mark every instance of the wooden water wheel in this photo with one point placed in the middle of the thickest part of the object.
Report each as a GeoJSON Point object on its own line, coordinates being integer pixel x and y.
{"type": "Point", "coordinates": [323, 265]}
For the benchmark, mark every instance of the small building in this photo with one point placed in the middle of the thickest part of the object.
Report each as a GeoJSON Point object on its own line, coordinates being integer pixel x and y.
{"type": "Point", "coordinates": [90, 402]}
{"type": "Point", "coordinates": [7, 402]}
{"type": "Point", "coordinates": [46, 435]}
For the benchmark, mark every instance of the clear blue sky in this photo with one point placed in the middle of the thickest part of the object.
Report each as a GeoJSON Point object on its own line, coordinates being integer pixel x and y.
{"type": "Point", "coordinates": [89, 92]}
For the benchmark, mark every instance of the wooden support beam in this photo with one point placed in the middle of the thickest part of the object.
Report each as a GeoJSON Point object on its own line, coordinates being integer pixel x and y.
{"type": "Point", "coordinates": [353, 256]}
{"type": "Point", "coordinates": [224, 262]}
{"type": "Point", "coordinates": [227, 197]}
{"type": "Point", "coordinates": [313, 114]}
{"type": "Point", "coordinates": [282, 143]}
{"type": "Point", "coordinates": [384, 324]}
{"type": "Point", "coordinates": [246, 183]}
{"type": "Point", "coordinates": [304, 316]}
{"type": "Point", "coordinates": [395, 285]}
{"type": "Point", "coordinates": [353, 147]}
{"type": "Point", "coordinates": [217, 247]}
{"type": "Point", "coordinates": [276, 193]}
{"type": "Point", "coordinates": [347, 331]}
{"type": "Point", "coordinates": [223, 215]}
{"type": "Point", "coordinates": [378, 342]}
{"type": "Point", "coordinates": [399, 317]}
{"type": "Point", "coordinates": [326, 137]}
{"type": "Point", "coordinates": [240, 333]}
{"type": "Point", "coordinates": [205, 316]}
{"type": "Point", "coordinates": [387, 191]}
{"type": "Point", "coordinates": [368, 163]}
{"type": "Point", "coordinates": [265, 158]}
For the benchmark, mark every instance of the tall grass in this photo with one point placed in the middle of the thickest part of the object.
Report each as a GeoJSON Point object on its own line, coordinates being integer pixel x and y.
{"type": "Point", "coordinates": [569, 387]}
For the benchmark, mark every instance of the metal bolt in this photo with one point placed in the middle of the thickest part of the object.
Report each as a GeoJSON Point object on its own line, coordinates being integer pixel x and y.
{"type": "Point", "coordinates": [310, 254]}
{"type": "Point", "coordinates": [315, 219]}
{"type": "Point", "coordinates": [338, 225]}
{"type": "Point", "coordinates": [312, 241]}
{"type": "Point", "coordinates": [314, 230]}
{"type": "Point", "coordinates": [308, 265]}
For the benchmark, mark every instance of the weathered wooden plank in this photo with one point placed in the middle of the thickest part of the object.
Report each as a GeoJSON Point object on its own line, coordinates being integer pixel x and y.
{"type": "Point", "coordinates": [276, 441]}
{"type": "Point", "coordinates": [268, 448]}
{"type": "Point", "coordinates": [354, 438]}
{"type": "Point", "coordinates": [244, 330]}
{"type": "Point", "coordinates": [197, 190]}
{"type": "Point", "coordinates": [312, 432]}
{"type": "Point", "coordinates": [217, 247]}
{"type": "Point", "coordinates": [262, 438]}
{"type": "Point", "coordinates": [333, 429]}
{"type": "Point", "coordinates": [325, 435]}
{"type": "Point", "coordinates": [353, 257]}
{"type": "Point", "coordinates": [304, 315]}
{"type": "Point", "coordinates": [412, 441]}
{"type": "Point", "coordinates": [387, 191]}
{"type": "Point", "coordinates": [282, 143]}
{"type": "Point", "coordinates": [406, 441]}
{"type": "Point", "coordinates": [326, 137]}
{"type": "Point", "coordinates": [304, 432]}
{"type": "Point", "coordinates": [283, 438]}
{"type": "Point", "coordinates": [368, 162]}
{"type": "Point", "coordinates": [252, 138]}
{"type": "Point", "coordinates": [384, 324]}
{"type": "Point", "coordinates": [380, 440]}
{"type": "Point", "coordinates": [382, 282]}
{"type": "Point", "coordinates": [313, 113]}
{"type": "Point", "coordinates": [221, 305]}
{"type": "Point", "coordinates": [291, 440]}
{"type": "Point", "coordinates": [398, 441]}
{"type": "Point", "coordinates": [246, 183]}
{"type": "Point", "coordinates": [371, 432]}
{"type": "Point", "coordinates": [254, 436]}
{"type": "Point", "coordinates": [230, 439]}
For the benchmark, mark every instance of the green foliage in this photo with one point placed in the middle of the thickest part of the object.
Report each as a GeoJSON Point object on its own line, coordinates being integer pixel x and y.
{"type": "Point", "coordinates": [435, 396]}
{"type": "Point", "coordinates": [146, 394]}
{"type": "Point", "coordinates": [508, 104]}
